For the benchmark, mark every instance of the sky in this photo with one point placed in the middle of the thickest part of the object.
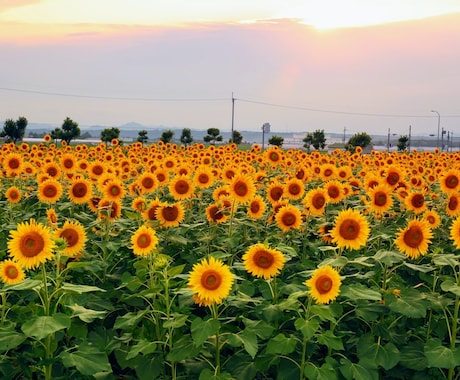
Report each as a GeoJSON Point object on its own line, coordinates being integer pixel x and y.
{"type": "Point", "coordinates": [376, 66]}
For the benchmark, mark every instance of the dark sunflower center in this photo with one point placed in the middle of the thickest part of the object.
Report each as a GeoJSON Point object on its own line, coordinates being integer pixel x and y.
{"type": "Point", "coordinates": [241, 188]}
{"type": "Point", "coordinates": [451, 181]}
{"type": "Point", "coordinates": [418, 200]}
{"type": "Point", "coordinates": [276, 193]}
{"type": "Point", "coordinates": [79, 190]}
{"type": "Point", "coordinates": [263, 259]}
{"type": "Point", "coordinates": [181, 187]}
{"type": "Point", "coordinates": [380, 198]}
{"type": "Point", "coordinates": [211, 280]}
{"type": "Point", "coordinates": [170, 213]}
{"type": "Point", "coordinates": [453, 203]}
{"type": "Point", "coordinates": [70, 235]}
{"type": "Point", "coordinates": [289, 219]}
{"type": "Point", "coordinates": [11, 272]}
{"type": "Point", "coordinates": [413, 237]}
{"type": "Point", "coordinates": [32, 244]}
{"type": "Point", "coordinates": [318, 201]}
{"type": "Point", "coordinates": [349, 229]}
{"type": "Point", "coordinates": [144, 240]}
{"type": "Point", "coordinates": [323, 284]}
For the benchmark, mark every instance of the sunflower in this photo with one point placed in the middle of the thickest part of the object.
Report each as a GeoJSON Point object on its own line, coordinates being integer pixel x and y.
{"type": "Point", "coordinates": [453, 204]}
{"type": "Point", "coordinates": [273, 155]}
{"type": "Point", "coordinates": [242, 188]}
{"type": "Point", "coordinates": [52, 170]}
{"type": "Point", "coordinates": [262, 261]}
{"type": "Point", "coordinates": [393, 175]}
{"type": "Point", "coordinates": [380, 198]}
{"type": "Point", "coordinates": [275, 191]}
{"type": "Point", "coordinates": [324, 231]}
{"type": "Point", "coordinates": [150, 212]}
{"type": "Point", "coordinates": [144, 241]}
{"type": "Point", "coordinates": [450, 181]}
{"type": "Point", "coordinates": [328, 172]}
{"type": "Point", "coordinates": [256, 207]}
{"type": "Point", "coordinates": [109, 208]}
{"type": "Point", "coordinates": [161, 176]}
{"type": "Point", "coordinates": [351, 229]}
{"type": "Point", "coordinates": [139, 204]}
{"type": "Point", "coordinates": [49, 191]}
{"type": "Point", "coordinates": [12, 164]}
{"type": "Point", "coordinates": [415, 201]}
{"type": "Point", "coordinates": [432, 218]}
{"type": "Point", "coordinates": [114, 190]}
{"type": "Point", "coordinates": [80, 191]}
{"type": "Point", "coordinates": [288, 218]}
{"type": "Point", "coordinates": [335, 191]}
{"type": "Point", "coordinates": [147, 182]}
{"type": "Point", "coordinates": [294, 189]}
{"type": "Point", "coordinates": [74, 235]}
{"type": "Point", "coordinates": [315, 201]}
{"type": "Point", "coordinates": [31, 244]}
{"type": "Point", "coordinates": [181, 187]}
{"type": "Point", "coordinates": [324, 285]}
{"type": "Point", "coordinates": [215, 213]}
{"type": "Point", "coordinates": [96, 169]}
{"type": "Point", "coordinates": [413, 240]}
{"type": "Point", "coordinates": [203, 177]}
{"type": "Point", "coordinates": [13, 194]}
{"type": "Point", "coordinates": [11, 272]}
{"type": "Point", "coordinates": [68, 162]}
{"type": "Point", "coordinates": [51, 215]}
{"type": "Point", "coordinates": [170, 215]}
{"type": "Point", "coordinates": [211, 280]}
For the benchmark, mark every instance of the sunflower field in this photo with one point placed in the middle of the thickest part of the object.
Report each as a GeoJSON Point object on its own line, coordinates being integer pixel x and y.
{"type": "Point", "coordinates": [209, 262]}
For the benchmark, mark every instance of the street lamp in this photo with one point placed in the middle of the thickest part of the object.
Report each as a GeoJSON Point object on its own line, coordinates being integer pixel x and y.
{"type": "Point", "coordinates": [439, 123]}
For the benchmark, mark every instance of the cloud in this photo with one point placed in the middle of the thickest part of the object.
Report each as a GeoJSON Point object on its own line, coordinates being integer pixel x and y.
{"type": "Point", "coordinates": [10, 4]}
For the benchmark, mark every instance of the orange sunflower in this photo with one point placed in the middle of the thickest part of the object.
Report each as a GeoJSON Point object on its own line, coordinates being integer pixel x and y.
{"type": "Point", "coordinates": [215, 213]}
{"type": "Point", "coordinates": [324, 285]}
{"type": "Point", "coordinates": [211, 280]}
{"type": "Point", "coordinates": [242, 188]}
{"type": "Point", "coordinates": [380, 198]}
{"type": "Point", "coordinates": [170, 215]}
{"type": "Point", "coordinates": [109, 208]}
{"type": "Point", "coordinates": [11, 272]}
{"type": "Point", "coordinates": [275, 191]}
{"type": "Point", "coordinates": [294, 189]}
{"type": "Point", "coordinates": [432, 218]}
{"type": "Point", "coordinates": [114, 189]}
{"type": "Point", "coordinates": [49, 191]}
{"type": "Point", "coordinates": [181, 187]}
{"type": "Point", "coordinates": [12, 164]}
{"type": "Point", "coordinates": [80, 191]}
{"type": "Point", "coordinates": [351, 229]}
{"type": "Point", "coordinates": [203, 177]}
{"type": "Point", "coordinates": [288, 218]}
{"type": "Point", "coordinates": [150, 212]}
{"type": "Point", "coordinates": [415, 201]}
{"type": "Point", "coordinates": [335, 191]}
{"type": "Point", "coordinates": [262, 261]}
{"type": "Point", "coordinates": [453, 204]}
{"type": "Point", "coordinates": [74, 235]}
{"type": "Point", "coordinates": [13, 194]}
{"type": "Point", "coordinates": [31, 244]}
{"type": "Point", "coordinates": [256, 207]}
{"type": "Point", "coordinates": [413, 240]}
{"type": "Point", "coordinates": [144, 241]}
{"type": "Point", "coordinates": [52, 217]}
{"type": "Point", "coordinates": [147, 182]}
{"type": "Point", "coordinates": [315, 201]}
{"type": "Point", "coordinates": [450, 181]}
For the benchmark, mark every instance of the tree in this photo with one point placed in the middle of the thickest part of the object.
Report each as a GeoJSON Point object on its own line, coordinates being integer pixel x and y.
{"type": "Point", "coordinates": [67, 132]}
{"type": "Point", "coordinates": [317, 139]}
{"type": "Point", "coordinates": [359, 139]}
{"type": "Point", "coordinates": [237, 138]}
{"type": "Point", "coordinates": [213, 135]}
{"type": "Point", "coordinates": [143, 136]}
{"type": "Point", "coordinates": [186, 137]}
{"type": "Point", "coordinates": [167, 136]}
{"type": "Point", "coordinates": [109, 134]}
{"type": "Point", "coordinates": [276, 140]}
{"type": "Point", "coordinates": [402, 143]}
{"type": "Point", "coordinates": [14, 130]}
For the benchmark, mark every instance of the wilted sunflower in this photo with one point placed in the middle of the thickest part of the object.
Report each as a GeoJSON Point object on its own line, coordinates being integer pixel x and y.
{"type": "Point", "coordinates": [351, 229]}
{"type": "Point", "coordinates": [181, 187]}
{"type": "Point", "coordinates": [413, 240]}
{"type": "Point", "coordinates": [49, 191]}
{"type": "Point", "coordinates": [80, 191]}
{"type": "Point", "coordinates": [13, 194]}
{"type": "Point", "coordinates": [211, 280]}
{"type": "Point", "coordinates": [74, 235]}
{"type": "Point", "coordinates": [170, 215]}
{"type": "Point", "coordinates": [256, 207]}
{"type": "Point", "coordinates": [144, 241]}
{"type": "Point", "coordinates": [11, 272]}
{"type": "Point", "coordinates": [262, 261]}
{"type": "Point", "coordinates": [288, 218]}
{"type": "Point", "coordinates": [324, 285]}
{"type": "Point", "coordinates": [31, 244]}
{"type": "Point", "coordinates": [242, 188]}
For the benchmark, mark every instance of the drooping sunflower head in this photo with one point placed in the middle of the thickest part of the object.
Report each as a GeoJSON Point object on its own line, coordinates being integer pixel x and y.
{"type": "Point", "coordinates": [144, 241]}
{"type": "Point", "coordinates": [351, 229]}
{"type": "Point", "coordinates": [211, 280]}
{"type": "Point", "coordinates": [74, 235]}
{"type": "Point", "coordinates": [11, 272]}
{"type": "Point", "coordinates": [31, 244]}
{"type": "Point", "coordinates": [262, 261]}
{"type": "Point", "coordinates": [324, 285]}
{"type": "Point", "coordinates": [414, 239]}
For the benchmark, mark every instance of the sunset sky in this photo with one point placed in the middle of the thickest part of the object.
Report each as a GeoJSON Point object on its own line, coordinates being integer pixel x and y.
{"type": "Point", "coordinates": [358, 65]}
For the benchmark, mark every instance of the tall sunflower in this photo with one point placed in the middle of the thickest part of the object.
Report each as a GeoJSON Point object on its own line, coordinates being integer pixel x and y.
{"type": "Point", "coordinates": [262, 261]}
{"type": "Point", "coordinates": [288, 218]}
{"type": "Point", "coordinates": [31, 244]}
{"type": "Point", "coordinates": [351, 229]}
{"type": "Point", "coordinates": [49, 191]}
{"type": "Point", "coordinates": [335, 191]}
{"type": "Point", "coordinates": [181, 187]}
{"type": "Point", "coordinates": [413, 240]}
{"type": "Point", "coordinates": [147, 182]}
{"type": "Point", "coordinates": [11, 272]}
{"type": "Point", "coordinates": [242, 188]}
{"type": "Point", "coordinates": [315, 201]}
{"type": "Point", "coordinates": [324, 285]}
{"type": "Point", "coordinates": [380, 198]}
{"type": "Point", "coordinates": [275, 191]}
{"type": "Point", "coordinates": [211, 280]}
{"type": "Point", "coordinates": [203, 177]}
{"type": "Point", "coordinates": [144, 241]}
{"type": "Point", "coordinates": [80, 191]}
{"type": "Point", "coordinates": [74, 235]}
{"type": "Point", "coordinates": [114, 189]}
{"type": "Point", "coordinates": [256, 207]}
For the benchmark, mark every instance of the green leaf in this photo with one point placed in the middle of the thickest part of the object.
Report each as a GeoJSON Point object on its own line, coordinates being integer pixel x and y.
{"type": "Point", "coordinates": [358, 291]}
{"type": "Point", "coordinates": [451, 286]}
{"type": "Point", "coordinates": [80, 288]}
{"type": "Point", "coordinates": [413, 357]}
{"type": "Point", "coordinates": [388, 257]}
{"type": "Point", "coordinates": [262, 329]}
{"type": "Point", "coordinates": [183, 348]}
{"type": "Point", "coordinates": [372, 354]}
{"type": "Point", "coordinates": [324, 312]}
{"type": "Point", "coordinates": [86, 315]}
{"type": "Point", "coordinates": [27, 284]}
{"type": "Point", "coordinates": [325, 372]}
{"type": "Point", "coordinates": [41, 327]}
{"type": "Point", "coordinates": [420, 268]}
{"type": "Point", "coordinates": [174, 271]}
{"type": "Point", "coordinates": [356, 371]}
{"type": "Point", "coordinates": [10, 338]}
{"type": "Point", "coordinates": [88, 360]}
{"type": "Point", "coordinates": [207, 374]}
{"type": "Point", "coordinates": [249, 340]}
{"type": "Point", "coordinates": [446, 260]}
{"type": "Point", "coordinates": [328, 339]}
{"type": "Point", "coordinates": [308, 328]}
{"type": "Point", "coordinates": [440, 356]}
{"type": "Point", "coordinates": [413, 306]}
{"type": "Point", "coordinates": [129, 320]}
{"type": "Point", "coordinates": [177, 320]}
{"type": "Point", "coordinates": [144, 347]}
{"type": "Point", "coordinates": [202, 330]}
{"type": "Point", "coordinates": [281, 344]}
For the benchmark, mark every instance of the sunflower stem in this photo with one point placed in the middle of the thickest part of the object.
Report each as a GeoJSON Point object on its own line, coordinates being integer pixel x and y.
{"type": "Point", "coordinates": [215, 315]}
{"type": "Point", "coordinates": [454, 329]}
{"type": "Point", "coordinates": [303, 363]}
{"type": "Point", "coordinates": [48, 368]}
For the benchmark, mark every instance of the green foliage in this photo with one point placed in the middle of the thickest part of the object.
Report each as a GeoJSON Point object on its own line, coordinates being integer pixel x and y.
{"type": "Point", "coordinates": [237, 137]}
{"type": "Point", "coordinates": [167, 136]}
{"type": "Point", "coordinates": [362, 139]}
{"type": "Point", "coordinates": [317, 139]}
{"type": "Point", "coordinates": [276, 140]}
{"type": "Point", "coordinates": [109, 134]}
{"type": "Point", "coordinates": [68, 131]}
{"type": "Point", "coordinates": [14, 130]}
{"type": "Point", "coordinates": [213, 136]}
{"type": "Point", "coordinates": [402, 143]}
{"type": "Point", "coordinates": [143, 136]}
{"type": "Point", "coordinates": [186, 136]}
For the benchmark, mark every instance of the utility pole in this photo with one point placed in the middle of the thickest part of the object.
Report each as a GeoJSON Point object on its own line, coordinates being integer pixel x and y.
{"type": "Point", "coordinates": [233, 116]}
{"type": "Point", "coordinates": [408, 143]}
{"type": "Point", "coordinates": [439, 123]}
